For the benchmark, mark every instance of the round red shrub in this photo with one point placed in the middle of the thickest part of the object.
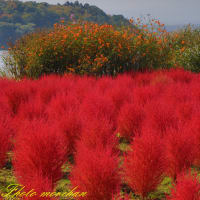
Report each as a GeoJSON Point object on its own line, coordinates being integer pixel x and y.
{"type": "Point", "coordinates": [96, 172]}
{"type": "Point", "coordinates": [39, 148]}
{"type": "Point", "coordinates": [144, 165]}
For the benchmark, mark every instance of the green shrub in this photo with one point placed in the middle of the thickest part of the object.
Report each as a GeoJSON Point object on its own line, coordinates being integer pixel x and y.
{"type": "Point", "coordinates": [88, 48]}
{"type": "Point", "coordinates": [188, 48]}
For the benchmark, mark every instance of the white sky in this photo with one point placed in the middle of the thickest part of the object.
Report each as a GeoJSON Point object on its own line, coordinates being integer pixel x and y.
{"type": "Point", "coordinates": [171, 12]}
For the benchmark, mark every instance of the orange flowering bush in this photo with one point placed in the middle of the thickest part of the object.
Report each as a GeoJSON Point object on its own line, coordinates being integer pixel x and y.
{"type": "Point", "coordinates": [153, 44]}
{"type": "Point", "coordinates": [187, 48]}
{"type": "Point", "coordinates": [88, 48]}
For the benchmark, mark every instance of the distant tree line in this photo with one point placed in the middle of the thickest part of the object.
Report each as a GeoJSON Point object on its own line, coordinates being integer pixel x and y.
{"type": "Point", "coordinates": [18, 18]}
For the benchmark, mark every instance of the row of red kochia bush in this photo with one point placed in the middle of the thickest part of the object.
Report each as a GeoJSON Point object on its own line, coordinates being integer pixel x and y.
{"type": "Point", "coordinates": [47, 121]}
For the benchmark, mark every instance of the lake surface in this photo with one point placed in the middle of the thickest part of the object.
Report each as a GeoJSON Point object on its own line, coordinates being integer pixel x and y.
{"type": "Point", "coordinates": [2, 53]}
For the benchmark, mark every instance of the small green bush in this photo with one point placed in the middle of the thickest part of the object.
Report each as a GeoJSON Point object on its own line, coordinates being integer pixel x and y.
{"type": "Point", "coordinates": [187, 48]}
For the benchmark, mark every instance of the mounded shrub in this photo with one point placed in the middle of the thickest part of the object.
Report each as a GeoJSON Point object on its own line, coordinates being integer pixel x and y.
{"type": "Point", "coordinates": [187, 187]}
{"type": "Point", "coordinates": [5, 142]}
{"type": "Point", "coordinates": [96, 171]}
{"type": "Point", "coordinates": [144, 165]}
{"type": "Point", "coordinates": [88, 48]}
{"type": "Point", "coordinates": [180, 151]}
{"type": "Point", "coordinates": [39, 151]}
{"type": "Point", "coordinates": [130, 120]}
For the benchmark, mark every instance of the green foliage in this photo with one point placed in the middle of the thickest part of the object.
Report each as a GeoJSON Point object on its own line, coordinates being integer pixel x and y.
{"type": "Point", "coordinates": [87, 48]}
{"type": "Point", "coordinates": [188, 48]}
{"type": "Point", "coordinates": [92, 49]}
{"type": "Point", "coordinates": [190, 58]}
{"type": "Point", "coordinates": [18, 18]}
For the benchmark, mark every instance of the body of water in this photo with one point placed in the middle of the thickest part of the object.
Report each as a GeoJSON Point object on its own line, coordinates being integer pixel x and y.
{"type": "Point", "coordinates": [2, 53]}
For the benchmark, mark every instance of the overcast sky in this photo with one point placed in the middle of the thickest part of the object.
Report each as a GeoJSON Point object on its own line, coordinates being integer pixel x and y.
{"type": "Point", "coordinates": [171, 12]}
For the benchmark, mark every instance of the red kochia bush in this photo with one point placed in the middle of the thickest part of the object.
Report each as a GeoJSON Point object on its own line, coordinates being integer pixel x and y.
{"type": "Point", "coordinates": [70, 125]}
{"type": "Point", "coordinates": [32, 110]}
{"type": "Point", "coordinates": [98, 119]}
{"type": "Point", "coordinates": [194, 129]}
{"type": "Point", "coordinates": [98, 133]}
{"type": "Point", "coordinates": [96, 172]}
{"type": "Point", "coordinates": [96, 106]}
{"type": "Point", "coordinates": [118, 95]}
{"type": "Point", "coordinates": [180, 150]}
{"type": "Point", "coordinates": [40, 184]}
{"type": "Point", "coordinates": [187, 188]}
{"type": "Point", "coordinates": [61, 104]}
{"type": "Point", "coordinates": [39, 148]}
{"type": "Point", "coordinates": [160, 116]}
{"type": "Point", "coordinates": [181, 75]}
{"type": "Point", "coordinates": [5, 142]}
{"type": "Point", "coordinates": [144, 165]}
{"type": "Point", "coordinates": [143, 95]}
{"type": "Point", "coordinates": [15, 94]}
{"type": "Point", "coordinates": [48, 88]}
{"type": "Point", "coordinates": [130, 120]}
{"type": "Point", "coordinates": [64, 110]}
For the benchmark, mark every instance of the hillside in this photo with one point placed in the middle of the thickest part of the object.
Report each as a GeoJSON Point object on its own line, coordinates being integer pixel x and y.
{"type": "Point", "coordinates": [18, 18]}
